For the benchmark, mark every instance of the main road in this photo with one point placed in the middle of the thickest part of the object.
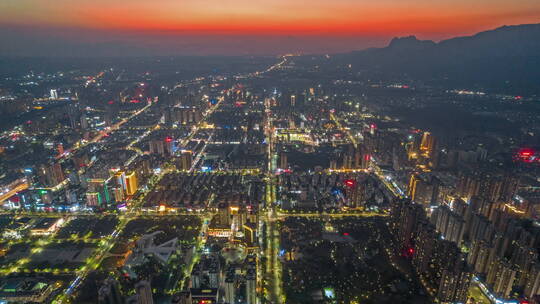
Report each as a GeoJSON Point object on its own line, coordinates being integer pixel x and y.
{"type": "Point", "coordinates": [273, 276]}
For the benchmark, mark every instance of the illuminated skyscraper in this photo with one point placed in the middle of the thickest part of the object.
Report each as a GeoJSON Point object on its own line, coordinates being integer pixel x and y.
{"type": "Point", "coordinates": [93, 199]}
{"type": "Point", "coordinates": [131, 183]}
{"type": "Point", "coordinates": [428, 143]}
{"type": "Point", "coordinates": [127, 181]}
{"type": "Point", "coordinates": [120, 179]}
{"type": "Point", "coordinates": [53, 94]}
{"type": "Point", "coordinates": [118, 194]}
{"type": "Point", "coordinates": [250, 233]}
{"type": "Point", "coordinates": [423, 189]}
{"type": "Point", "coordinates": [99, 185]}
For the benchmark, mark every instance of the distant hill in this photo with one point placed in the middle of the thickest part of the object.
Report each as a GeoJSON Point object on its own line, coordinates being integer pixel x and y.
{"type": "Point", "coordinates": [506, 58]}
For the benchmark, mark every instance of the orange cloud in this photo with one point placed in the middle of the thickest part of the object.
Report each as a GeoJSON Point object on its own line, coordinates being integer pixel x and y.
{"type": "Point", "coordinates": [265, 17]}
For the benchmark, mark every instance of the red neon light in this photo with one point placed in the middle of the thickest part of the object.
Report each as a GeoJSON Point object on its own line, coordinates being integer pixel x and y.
{"type": "Point", "coordinates": [350, 183]}
{"type": "Point", "coordinates": [526, 154]}
{"type": "Point", "coordinates": [168, 139]}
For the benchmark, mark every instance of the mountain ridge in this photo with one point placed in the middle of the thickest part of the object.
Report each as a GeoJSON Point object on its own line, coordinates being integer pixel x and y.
{"type": "Point", "coordinates": [507, 58]}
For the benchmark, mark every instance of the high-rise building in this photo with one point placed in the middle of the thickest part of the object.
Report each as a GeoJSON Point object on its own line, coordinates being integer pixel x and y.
{"type": "Point", "coordinates": [423, 189]}
{"type": "Point", "coordinates": [162, 147]}
{"type": "Point", "coordinates": [404, 218]}
{"type": "Point", "coordinates": [183, 297]}
{"type": "Point", "coordinates": [53, 94]}
{"type": "Point", "coordinates": [251, 286]}
{"type": "Point", "coordinates": [214, 275]}
{"type": "Point", "coordinates": [454, 284]}
{"type": "Point", "coordinates": [427, 144]}
{"type": "Point", "coordinates": [185, 160]}
{"type": "Point", "coordinates": [230, 289]}
{"type": "Point", "coordinates": [479, 256]}
{"type": "Point", "coordinates": [144, 292]}
{"type": "Point", "coordinates": [283, 163]}
{"type": "Point", "coordinates": [532, 286]}
{"type": "Point", "coordinates": [250, 233]}
{"type": "Point", "coordinates": [361, 158]}
{"type": "Point", "coordinates": [423, 247]}
{"type": "Point", "coordinates": [196, 277]}
{"type": "Point", "coordinates": [504, 278]}
{"type": "Point", "coordinates": [131, 183]}
{"type": "Point", "coordinates": [450, 224]}
{"type": "Point", "coordinates": [128, 182]}
{"type": "Point", "coordinates": [84, 121]}
{"type": "Point", "coordinates": [73, 115]}
{"type": "Point", "coordinates": [93, 199]}
{"type": "Point", "coordinates": [109, 293]}
{"type": "Point", "coordinates": [293, 101]}
{"type": "Point", "coordinates": [51, 175]}
{"type": "Point", "coordinates": [118, 194]}
{"type": "Point", "coordinates": [98, 186]}
{"type": "Point", "coordinates": [489, 184]}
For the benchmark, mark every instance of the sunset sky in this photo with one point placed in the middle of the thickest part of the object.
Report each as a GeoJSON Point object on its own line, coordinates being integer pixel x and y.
{"type": "Point", "coordinates": [231, 26]}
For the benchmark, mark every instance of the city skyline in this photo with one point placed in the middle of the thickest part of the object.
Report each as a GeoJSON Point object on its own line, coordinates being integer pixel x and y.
{"type": "Point", "coordinates": [270, 152]}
